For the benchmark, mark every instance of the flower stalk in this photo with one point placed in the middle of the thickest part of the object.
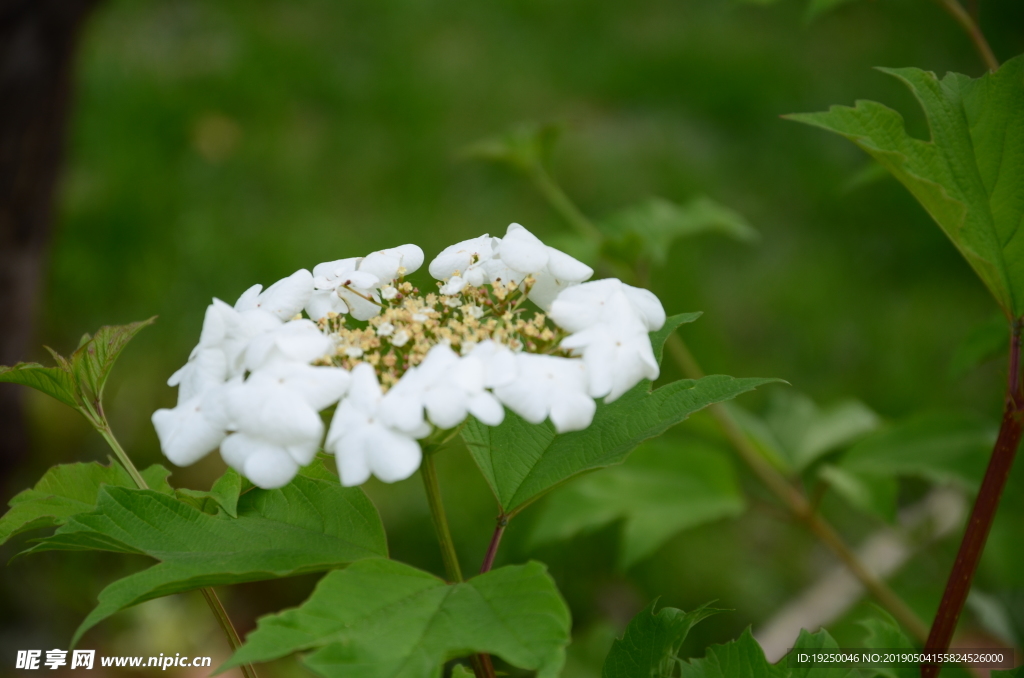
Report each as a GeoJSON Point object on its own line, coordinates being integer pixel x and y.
{"type": "Point", "coordinates": [983, 513]}
{"type": "Point", "coordinates": [209, 593]}
{"type": "Point", "coordinates": [482, 666]}
{"type": "Point", "coordinates": [428, 471]}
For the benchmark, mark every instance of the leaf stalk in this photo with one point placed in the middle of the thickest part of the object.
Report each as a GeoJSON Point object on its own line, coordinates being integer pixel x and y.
{"type": "Point", "coordinates": [492, 548]}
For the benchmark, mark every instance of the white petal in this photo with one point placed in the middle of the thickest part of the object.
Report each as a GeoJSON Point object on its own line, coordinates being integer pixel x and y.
{"type": "Point", "coordinates": [522, 250]}
{"type": "Point", "coordinates": [497, 271]}
{"type": "Point", "coordinates": [218, 318]}
{"type": "Point", "coordinates": [499, 363]}
{"type": "Point", "coordinates": [648, 305]}
{"type": "Point", "coordinates": [364, 390]}
{"type": "Point", "coordinates": [303, 453]}
{"type": "Point", "coordinates": [459, 257]}
{"type": "Point", "coordinates": [527, 395]}
{"type": "Point", "coordinates": [476, 275]}
{"type": "Point", "coordinates": [402, 406]}
{"type": "Point", "coordinates": [270, 468]}
{"type": "Point", "coordinates": [578, 307]}
{"type": "Point", "coordinates": [487, 409]}
{"type": "Point", "coordinates": [297, 340]}
{"type": "Point", "coordinates": [321, 387]}
{"type": "Point", "coordinates": [546, 289]}
{"type": "Point", "coordinates": [567, 268]}
{"type": "Point", "coordinates": [236, 448]}
{"type": "Point", "coordinates": [454, 285]}
{"type": "Point", "coordinates": [327, 273]}
{"type": "Point", "coordinates": [446, 407]}
{"type": "Point", "coordinates": [287, 296]}
{"type": "Point", "coordinates": [412, 257]}
{"type": "Point", "coordinates": [273, 412]}
{"type": "Point", "coordinates": [186, 433]}
{"type": "Point", "coordinates": [353, 466]}
{"type": "Point", "coordinates": [574, 412]}
{"type": "Point", "coordinates": [249, 298]}
{"type": "Point", "coordinates": [383, 265]}
{"type": "Point", "coordinates": [322, 302]}
{"type": "Point", "coordinates": [360, 307]}
{"type": "Point", "coordinates": [345, 418]}
{"type": "Point", "coordinates": [393, 457]}
{"type": "Point", "coordinates": [207, 369]}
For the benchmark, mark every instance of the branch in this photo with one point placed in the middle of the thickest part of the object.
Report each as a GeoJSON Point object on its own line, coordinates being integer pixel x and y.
{"type": "Point", "coordinates": [983, 513]}
{"type": "Point", "coordinates": [970, 26]}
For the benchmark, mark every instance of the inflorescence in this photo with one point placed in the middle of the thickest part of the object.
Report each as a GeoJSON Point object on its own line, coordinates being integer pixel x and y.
{"type": "Point", "coordinates": [399, 365]}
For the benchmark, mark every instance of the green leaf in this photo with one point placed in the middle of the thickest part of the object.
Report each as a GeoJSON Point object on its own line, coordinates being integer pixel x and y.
{"type": "Point", "coordinates": [96, 355]}
{"type": "Point", "coordinates": [884, 633]}
{"type": "Point", "coordinates": [651, 642]}
{"type": "Point", "coordinates": [83, 376]}
{"type": "Point", "coordinates": [814, 642]}
{"type": "Point", "coordinates": [223, 495]}
{"type": "Point", "coordinates": [307, 526]}
{"type": "Point", "coordinates": [741, 658]}
{"type": "Point", "coordinates": [984, 342]}
{"type": "Point", "coordinates": [65, 491]}
{"type": "Point", "coordinates": [867, 175]}
{"type": "Point", "coordinates": [969, 176]}
{"type": "Point", "coordinates": [647, 230]}
{"type": "Point", "coordinates": [816, 8]}
{"type": "Point", "coordinates": [805, 431]}
{"type": "Point", "coordinates": [521, 461]}
{"type": "Point", "coordinates": [385, 618]}
{"type": "Point", "coordinates": [941, 448]}
{"type": "Point", "coordinates": [525, 148]}
{"type": "Point", "coordinates": [156, 479]}
{"type": "Point", "coordinates": [873, 493]}
{"type": "Point", "coordinates": [664, 487]}
{"type": "Point", "coordinates": [53, 381]}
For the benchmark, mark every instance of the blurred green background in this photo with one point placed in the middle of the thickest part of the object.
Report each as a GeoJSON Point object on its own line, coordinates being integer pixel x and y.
{"type": "Point", "coordinates": [222, 143]}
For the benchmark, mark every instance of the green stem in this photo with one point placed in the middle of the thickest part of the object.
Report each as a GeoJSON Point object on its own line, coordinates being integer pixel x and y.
{"type": "Point", "coordinates": [103, 427]}
{"type": "Point", "coordinates": [482, 666]}
{"type": "Point", "coordinates": [791, 497]}
{"type": "Point", "coordinates": [795, 501]}
{"type": "Point", "coordinates": [428, 471]}
{"type": "Point", "coordinates": [970, 26]}
{"type": "Point", "coordinates": [563, 204]}
{"type": "Point", "coordinates": [213, 600]}
{"type": "Point", "coordinates": [122, 456]}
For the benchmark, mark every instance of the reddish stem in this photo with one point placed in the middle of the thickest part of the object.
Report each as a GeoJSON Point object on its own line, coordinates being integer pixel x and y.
{"type": "Point", "coordinates": [492, 549]}
{"type": "Point", "coordinates": [983, 513]}
{"type": "Point", "coordinates": [482, 662]}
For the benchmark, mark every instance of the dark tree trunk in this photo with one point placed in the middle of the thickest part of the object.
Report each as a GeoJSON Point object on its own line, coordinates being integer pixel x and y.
{"type": "Point", "coordinates": [37, 47]}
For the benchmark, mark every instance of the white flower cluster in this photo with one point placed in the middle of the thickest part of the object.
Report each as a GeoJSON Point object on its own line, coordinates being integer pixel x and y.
{"type": "Point", "coordinates": [256, 383]}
